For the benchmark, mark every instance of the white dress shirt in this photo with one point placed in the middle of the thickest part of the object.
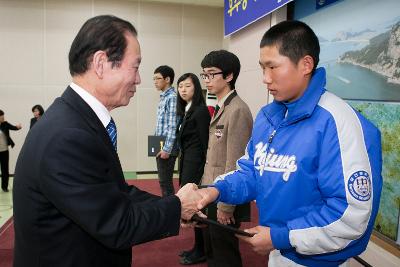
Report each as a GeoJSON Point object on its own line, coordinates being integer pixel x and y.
{"type": "Point", "coordinates": [100, 110]}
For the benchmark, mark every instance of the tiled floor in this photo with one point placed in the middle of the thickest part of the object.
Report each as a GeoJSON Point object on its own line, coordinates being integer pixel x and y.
{"type": "Point", "coordinates": [6, 204]}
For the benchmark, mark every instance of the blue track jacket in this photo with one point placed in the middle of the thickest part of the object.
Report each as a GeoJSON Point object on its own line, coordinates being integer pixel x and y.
{"type": "Point", "coordinates": [315, 175]}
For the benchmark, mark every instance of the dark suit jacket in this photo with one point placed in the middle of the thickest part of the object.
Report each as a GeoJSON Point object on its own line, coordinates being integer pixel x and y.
{"type": "Point", "coordinates": [193, 141]}
{"type": "Point", "coordinates": [5, 127]}
{"type": "Point", "coordinates": [33, 121]}
{"type": "Point", "coordinates": [72, 206]}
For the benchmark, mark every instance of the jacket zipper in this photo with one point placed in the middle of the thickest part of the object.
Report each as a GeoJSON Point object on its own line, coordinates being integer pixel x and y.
{"type": "Point", "coordinates": [270, 138]}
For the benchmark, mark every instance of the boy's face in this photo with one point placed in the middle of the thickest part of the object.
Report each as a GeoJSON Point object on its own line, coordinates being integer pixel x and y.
{"type": "Point", "coordinates": [214, 80]}
{"type": "Point", "coordinates": [160, 83]}
{"type": "Point", "coordinates": [285, 80]}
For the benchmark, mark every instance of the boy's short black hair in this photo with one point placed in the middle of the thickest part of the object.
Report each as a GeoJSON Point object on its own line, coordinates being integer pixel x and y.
{"type": "Point", "coordinates": [166, 71]}
{"type": "Point", "coordinates": [1, 112]}
{"type": "Point", "coordinates": [224, 60]}
{"type": "Point", "coordinates": [294, 39]}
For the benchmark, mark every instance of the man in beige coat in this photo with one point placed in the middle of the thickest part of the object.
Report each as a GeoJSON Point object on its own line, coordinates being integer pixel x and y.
{"type": "Point", "coordinates": [230, 130]}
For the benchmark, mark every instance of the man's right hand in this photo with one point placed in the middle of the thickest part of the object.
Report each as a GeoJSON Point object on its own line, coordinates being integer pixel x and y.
{"type": "Point", "coordinates": [162, 154]}
{"type": "Point", "coordinates": [194, 199]}
{"type": "Point", "coordinates": [189, 198]}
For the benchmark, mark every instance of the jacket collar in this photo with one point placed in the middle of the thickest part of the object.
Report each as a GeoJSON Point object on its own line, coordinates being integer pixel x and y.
{"type": "Point", "coordinates": [226, 103]}
{"type": "Point", "coordinates": [305, 105]}
{"type": "Point", "coordinates": [167, 92]}
{"type": "Point", "coordinates": [78, 104]}
{"type": "Point", "coordinates": [229, 98]}
{"type": "Point", "coordinates": [87, 113]}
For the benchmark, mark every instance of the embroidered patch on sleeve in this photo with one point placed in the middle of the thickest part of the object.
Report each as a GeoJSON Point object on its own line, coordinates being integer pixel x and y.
{"type": "Point", "coordinates": [359, 185]}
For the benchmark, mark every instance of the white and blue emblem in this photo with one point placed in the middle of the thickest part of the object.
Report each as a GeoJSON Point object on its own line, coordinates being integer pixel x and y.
{"type": "Point", "coordinates": [359, 185]}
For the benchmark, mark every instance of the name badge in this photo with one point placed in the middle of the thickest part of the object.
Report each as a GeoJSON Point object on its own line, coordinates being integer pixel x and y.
{"type": "Point", "coordinates": [218, 133]}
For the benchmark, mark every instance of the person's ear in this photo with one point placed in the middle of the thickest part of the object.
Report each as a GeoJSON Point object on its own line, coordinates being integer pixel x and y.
{"type": "Point", "coordinates": [307, 64]}
{"type": "Point", "coordinates": [99, 63]}
{"type": "Point", "coordinates": [229, 77]}
{"type": "Point", "coordinates": [168, 80]}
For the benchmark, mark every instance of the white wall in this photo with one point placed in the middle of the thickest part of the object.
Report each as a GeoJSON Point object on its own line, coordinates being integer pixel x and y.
{"type": "Point", "coordinates": [35, 36]}
{"type": "Point", "coordinates": [246, 45]}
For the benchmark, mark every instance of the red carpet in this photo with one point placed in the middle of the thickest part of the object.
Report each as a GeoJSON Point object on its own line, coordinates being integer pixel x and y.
{"type": "Point", "coordinates": [158, 253]}
{"type": "Point", "coordinates": [6, 244]}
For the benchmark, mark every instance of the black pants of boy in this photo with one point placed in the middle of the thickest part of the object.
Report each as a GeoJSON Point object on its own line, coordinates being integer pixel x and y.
{"type": "Point", "coordinates": [221, 247]}
{"type": "Point", "coordinates": [4, 158]}
{"type": "Point", "coordinates": [165, 168]}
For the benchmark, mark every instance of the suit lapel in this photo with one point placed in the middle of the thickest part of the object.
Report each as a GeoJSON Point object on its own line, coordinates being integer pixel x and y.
{"type": "Point", "coordinates": [87, 113]}
{"type": "Point", "coordinates": [184, 121]}
{"type": "Point", "coordinates": [221, 110]}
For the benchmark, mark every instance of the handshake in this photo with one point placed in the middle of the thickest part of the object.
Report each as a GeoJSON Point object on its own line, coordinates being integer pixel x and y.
{"type": "Point", "coordinates": [194, 199]}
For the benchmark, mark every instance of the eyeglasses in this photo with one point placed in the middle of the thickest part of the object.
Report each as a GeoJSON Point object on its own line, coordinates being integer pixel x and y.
{"type": "Point", "coordinates": [209, 76]}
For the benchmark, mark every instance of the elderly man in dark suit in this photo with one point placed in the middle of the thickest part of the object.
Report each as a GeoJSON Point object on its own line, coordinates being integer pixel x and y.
{"type": "Point", "coordinates": [72, 206]}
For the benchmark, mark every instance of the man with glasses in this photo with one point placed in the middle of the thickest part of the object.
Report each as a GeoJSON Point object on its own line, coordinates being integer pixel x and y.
{"type": "Point", "coordinates": [166, 126]}
{"type": "Point", "coordinates": [230, 130]}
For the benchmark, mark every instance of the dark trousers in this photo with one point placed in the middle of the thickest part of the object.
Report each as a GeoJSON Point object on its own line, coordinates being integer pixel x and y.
{"type": "Point", "coordinates": [165, 168]}
{"type": "Point", "coordinates": [191, 171]}
{"type": "Point", "coordinates": [198, 242]}
{"type": "Point", "coordinates": [221, 247]}
{"type": "Point", "coordinates": [4, 158]}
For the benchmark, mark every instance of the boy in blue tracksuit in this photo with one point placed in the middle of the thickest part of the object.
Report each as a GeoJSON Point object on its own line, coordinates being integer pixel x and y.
{"type": "Point", "coordinates": [313, 164]}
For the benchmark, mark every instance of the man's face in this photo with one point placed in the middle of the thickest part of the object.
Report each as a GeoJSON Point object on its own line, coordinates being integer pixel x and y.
{"type": "Point", "coordinates": [285, 80]}
{"type": "Point", "coordinates": [214, 80]}
{"type": "Point", "coordinates": [120, 81]}
{"type": "Point", "coordinates": [1, 118]}
{"type": "Point", "coordinates": [160, 83]}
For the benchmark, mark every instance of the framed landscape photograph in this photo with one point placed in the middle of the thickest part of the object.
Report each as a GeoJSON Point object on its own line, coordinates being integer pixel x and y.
{"type": "Point", "coordinates": [360, 50]}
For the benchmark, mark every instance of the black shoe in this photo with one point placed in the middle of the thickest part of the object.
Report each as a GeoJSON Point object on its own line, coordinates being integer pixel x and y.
{"type": "Point", "coordinates": [185, 253]}
{"type": "Point", "coordinates": [5, 190]}
{"type": "Point", "coordinates": [192, 259]}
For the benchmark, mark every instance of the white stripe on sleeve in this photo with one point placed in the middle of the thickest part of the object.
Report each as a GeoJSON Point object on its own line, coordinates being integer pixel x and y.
{"type": "Point", "coordinates": [354, 221]}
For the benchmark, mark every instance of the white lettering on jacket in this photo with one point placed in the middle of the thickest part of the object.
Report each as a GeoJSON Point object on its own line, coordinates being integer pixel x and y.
{"type": "Point", "coordinates": [270, 161]}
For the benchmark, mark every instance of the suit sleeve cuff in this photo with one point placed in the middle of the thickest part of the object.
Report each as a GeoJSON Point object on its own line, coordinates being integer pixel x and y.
{"type": "Point", "coordinates": [174, 215]}
{"type": "Point", "coordinates": [167, 149]}
{"type": "Point", "coordinates": [226, 207]}
{"type": "Point", "coordinates": [280, 237]}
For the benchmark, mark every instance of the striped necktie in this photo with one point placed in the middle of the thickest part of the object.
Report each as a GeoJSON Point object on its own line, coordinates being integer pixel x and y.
{"type": "Point", "coordinates": [112, 132]}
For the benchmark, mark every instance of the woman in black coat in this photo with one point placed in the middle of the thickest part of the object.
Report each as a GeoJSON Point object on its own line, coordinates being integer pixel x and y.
{"type": "Point", "coordinates": [5, 142]}
{"type": "Point", "coordinates": [193, 141]}
{"type": "Point", "coordinates": [37, 111]}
